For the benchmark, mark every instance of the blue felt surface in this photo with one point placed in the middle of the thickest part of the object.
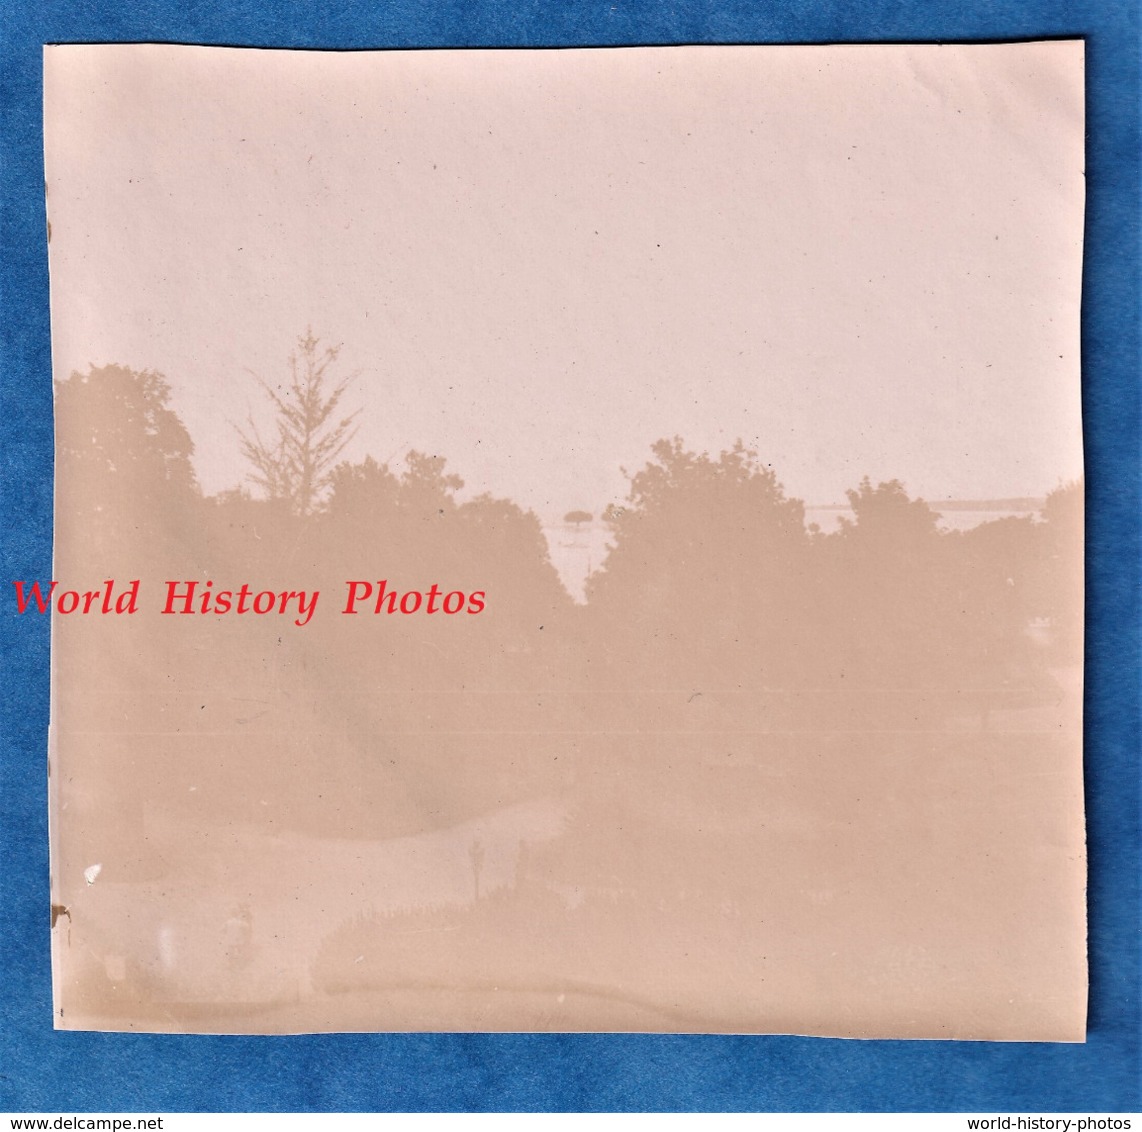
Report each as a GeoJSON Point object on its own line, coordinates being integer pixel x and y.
{"type": "Point", "coordinates": [44, 1070]}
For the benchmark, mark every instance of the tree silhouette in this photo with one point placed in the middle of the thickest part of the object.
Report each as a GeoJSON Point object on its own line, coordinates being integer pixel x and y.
{"type": "Point", "coordinates": [888, 509]}
{"type": "Point", "coordinates": [363, 493]}
{"type": "Point", "coordinates": [412, 524]}
{"type": "Point", "coordinates": [426, 490]}
{"type": "Point", "coordinates": [888, 594]}
{"type": "Point", "coordinates": [115, 434]}
{"type": "Point", "coordinates": [296, 464]}
{"type": "Point", "coordinates": [704, 571]}
{"type": "Point", "coordinates": [125, 485]}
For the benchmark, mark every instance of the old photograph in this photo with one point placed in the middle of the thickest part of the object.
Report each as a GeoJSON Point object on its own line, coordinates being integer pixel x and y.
{"type": "Point", "coordinates": [567, 540]}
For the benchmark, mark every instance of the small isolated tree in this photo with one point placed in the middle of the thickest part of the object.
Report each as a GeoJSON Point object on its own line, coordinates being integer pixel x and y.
{"type": "Point", "coordinates": [296, 463]}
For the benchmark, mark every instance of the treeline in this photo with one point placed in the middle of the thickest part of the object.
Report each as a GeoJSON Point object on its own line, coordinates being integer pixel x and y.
{"type": "Point", "coordinates": [714, 581]}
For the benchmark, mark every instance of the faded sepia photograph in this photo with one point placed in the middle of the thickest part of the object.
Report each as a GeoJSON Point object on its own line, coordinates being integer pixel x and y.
{"type": "Point", "coordinates": [567, 540]}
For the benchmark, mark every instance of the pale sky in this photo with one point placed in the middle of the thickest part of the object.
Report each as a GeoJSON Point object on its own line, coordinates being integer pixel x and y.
{"type": "Point", "coordinates": [857, 259]}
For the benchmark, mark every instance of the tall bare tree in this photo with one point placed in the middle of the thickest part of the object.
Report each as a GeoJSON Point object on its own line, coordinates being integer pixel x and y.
{"type": "Point", "coordinates": [294, 464]}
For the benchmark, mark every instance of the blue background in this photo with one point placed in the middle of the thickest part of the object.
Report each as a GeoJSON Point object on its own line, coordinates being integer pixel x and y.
{"type": "Point", "coordinates": [46, 1071]}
